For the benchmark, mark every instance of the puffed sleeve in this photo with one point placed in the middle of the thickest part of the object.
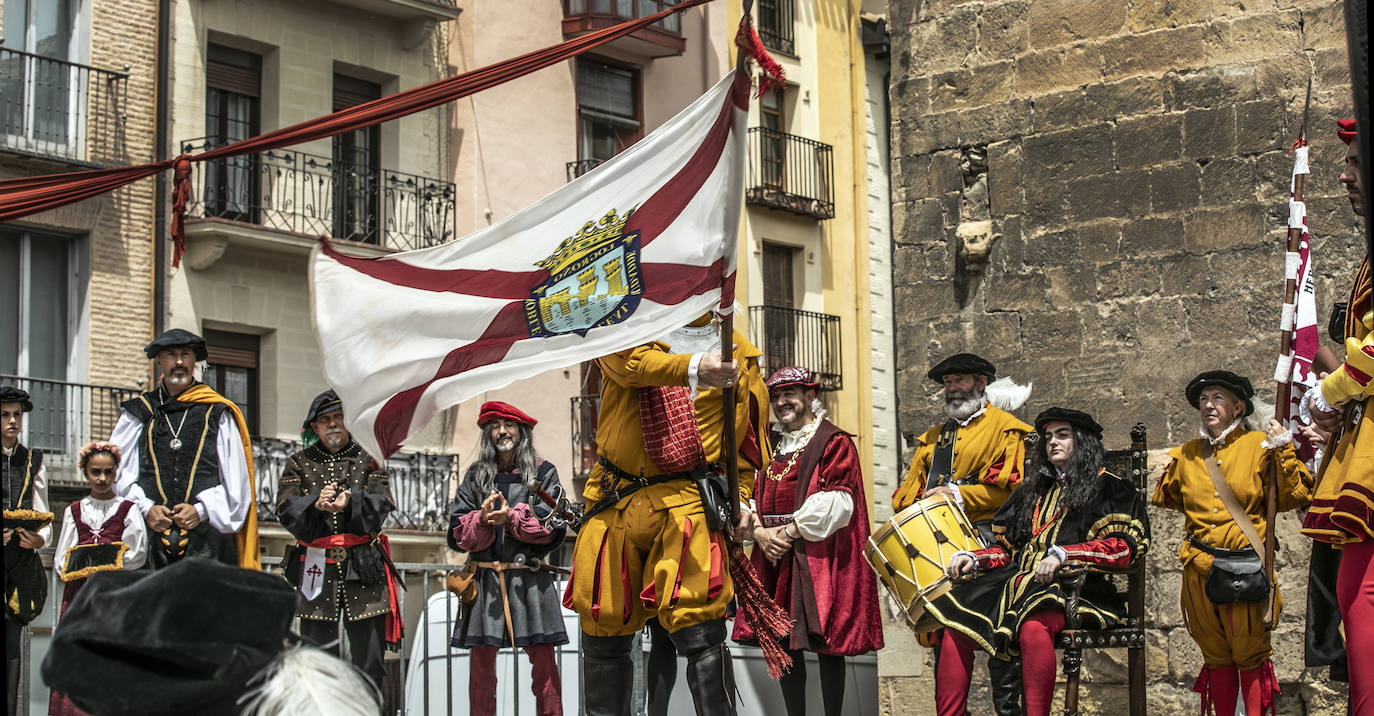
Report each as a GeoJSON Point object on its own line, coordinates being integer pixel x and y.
{"type": "Point", "coordinates": [1295, 483]}
{"type": "Point", "coordinates": [65, 539]}
{"type": "Point", "coordinates": [1122, 535]}
{"type": "Point", "coordinates": [466, 532]}
{"type": "Point", "coordinates": [135, 536]}
{"type": "Point", "coordinates": [645, 365]}
{"type": "Point", "coordinates": [1169, 492]}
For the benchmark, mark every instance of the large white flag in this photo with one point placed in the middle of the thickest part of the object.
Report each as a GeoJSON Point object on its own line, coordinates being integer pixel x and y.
{"type": "Point", "coordinates": [631, 250]}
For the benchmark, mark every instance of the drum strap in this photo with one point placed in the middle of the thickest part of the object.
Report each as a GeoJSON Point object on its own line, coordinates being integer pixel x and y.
{"type": "Point", "coordinates": [942, 462]}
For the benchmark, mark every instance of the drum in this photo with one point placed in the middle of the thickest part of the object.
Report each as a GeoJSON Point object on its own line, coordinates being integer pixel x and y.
{"type": "Point", "coordinates": [911, 551]}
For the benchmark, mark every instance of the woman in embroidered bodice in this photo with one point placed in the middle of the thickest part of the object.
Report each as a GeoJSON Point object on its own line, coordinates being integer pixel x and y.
{"type": "Point", "coordinates": [1068, 508]}
{"type": "Point", "coordinates": [1232, 635]}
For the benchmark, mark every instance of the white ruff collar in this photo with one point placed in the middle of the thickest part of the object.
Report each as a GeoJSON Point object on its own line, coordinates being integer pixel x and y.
{"type": "Point", "coordinates": [691, 340]}
{"type": "Point", "coordinates": [1220, 438]}
{"type": "Point", "coordinates": [794, 440]}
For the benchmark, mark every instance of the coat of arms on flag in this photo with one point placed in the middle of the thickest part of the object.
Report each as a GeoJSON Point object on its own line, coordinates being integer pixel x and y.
{"type": "Point", "coordinates": [594, 280]}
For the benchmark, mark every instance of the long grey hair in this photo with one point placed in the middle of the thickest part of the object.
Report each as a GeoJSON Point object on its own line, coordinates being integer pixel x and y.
{"type": "Point", "coordinates": [488, 461]}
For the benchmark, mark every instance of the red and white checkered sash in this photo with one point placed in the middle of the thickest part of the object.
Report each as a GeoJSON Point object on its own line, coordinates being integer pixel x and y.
{"type": "Point", "coordinates": [669, 422]}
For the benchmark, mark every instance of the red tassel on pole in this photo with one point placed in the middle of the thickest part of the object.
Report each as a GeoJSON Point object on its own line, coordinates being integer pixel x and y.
{"type": "Point", "coordinates": [770, 622]}
{"type": "Point", "coordinates": [748, 41]}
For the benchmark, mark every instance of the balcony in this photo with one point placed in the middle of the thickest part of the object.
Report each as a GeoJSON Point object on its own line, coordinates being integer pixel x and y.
{"type": "Point", "coordinates": [582, 166]}
{"type": "Point", "coordinates": [774, 20]}
{"type": "Point", "coordinates": [788, 336]}
{"type": "Point", "coordinates": [662, 39]}
{"type": "Point", "coordinates": [419, 484]}
{"type": "Point", "coordinates": [306, 195]}
{"type": "Point", "coordinates": [62, 111]}
{"type": "Point", "coordinates": [66, 416]}
{"type": "Point", "coordinates": [790, 173]}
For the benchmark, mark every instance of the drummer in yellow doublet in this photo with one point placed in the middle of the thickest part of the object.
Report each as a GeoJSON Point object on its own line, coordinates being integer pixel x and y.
{"type": "Point", "coordinates": [986, 463]}
{"type": "Point", "coordinates": [651, 553]}
{"type": "Point", "coordinates": [989, 445]}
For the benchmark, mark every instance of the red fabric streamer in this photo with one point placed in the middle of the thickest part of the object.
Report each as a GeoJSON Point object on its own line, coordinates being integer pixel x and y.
{"type": "Point", "coordinates": [747, 39]}
{"type": "Point", "coordinates": [770, 623]}
{"type": "Point", "coordinates": [30, 195]}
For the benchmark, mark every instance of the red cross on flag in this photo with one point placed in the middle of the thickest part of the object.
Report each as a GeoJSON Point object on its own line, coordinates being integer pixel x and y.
{"type": "Point", "coordinates": [637, 247]}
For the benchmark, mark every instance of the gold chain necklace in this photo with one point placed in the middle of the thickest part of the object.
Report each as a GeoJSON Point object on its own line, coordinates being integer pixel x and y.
{"type": "Point", "coordinates": [791, 462]}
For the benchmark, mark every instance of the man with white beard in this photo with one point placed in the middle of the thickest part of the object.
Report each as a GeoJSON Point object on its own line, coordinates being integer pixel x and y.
{"type": "Point", "coordinates": [977, 458]}
{"type": "Point", "coordinates": [333, 498]}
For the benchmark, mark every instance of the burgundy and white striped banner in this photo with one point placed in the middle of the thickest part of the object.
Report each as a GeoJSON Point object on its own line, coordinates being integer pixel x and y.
{"type": "Point", "coordinates": [1301, 316]}
{"type": "Point", "coordinates": [637, 247]}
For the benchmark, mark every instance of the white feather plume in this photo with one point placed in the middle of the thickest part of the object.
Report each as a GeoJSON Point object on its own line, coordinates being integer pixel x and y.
{"type": "Point", "coordinates": [1007, 394]}
{"type": "Point", "coordinates": [304, 681]}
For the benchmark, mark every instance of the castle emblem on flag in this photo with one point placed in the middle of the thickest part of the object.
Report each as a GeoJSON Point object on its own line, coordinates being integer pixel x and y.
{"type": "Point", "coordinates": [594, 280]}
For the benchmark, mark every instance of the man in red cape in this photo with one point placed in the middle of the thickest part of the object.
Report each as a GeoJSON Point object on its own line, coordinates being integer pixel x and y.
{"type": "Point", "coordinates": [813, 518]}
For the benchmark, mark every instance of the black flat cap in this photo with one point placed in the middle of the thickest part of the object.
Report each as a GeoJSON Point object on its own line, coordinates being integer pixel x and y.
{"type": "Point", "coordinates": [1076, 418]}
{"type": "Point", "coordinates": [323, 404]}
{"type": "Point", "coordinates": [1238, 385]}
{"type": "Point", "coordinates": [965, 363]}
{"type": "Point", "coordinates": [184, 639]}
{"type": "Point", "coordinates": [11, 394]}
{"type": "Point", "coordinates": [177, 338]}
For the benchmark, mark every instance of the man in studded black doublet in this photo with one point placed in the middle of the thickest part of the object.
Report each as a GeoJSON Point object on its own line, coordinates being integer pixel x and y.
{"type": "Point", "coordinates": [333, 498]}
{"type": "Point", "coordinates": [185, 464]}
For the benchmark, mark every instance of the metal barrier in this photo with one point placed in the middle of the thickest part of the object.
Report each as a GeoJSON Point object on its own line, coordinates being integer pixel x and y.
{"type": "Point", "coordinates": [791, 173]}
{"type": "Point", "coordinates": [789, 336]}
{"type": "Point", "coordinates": [774, 19]}
{"type": "Point", "coordinates": [309, 194]}
{"type": "Point", "coordinates": [62, 110]}
{"type": "Point", "coordinates": [68, 415]}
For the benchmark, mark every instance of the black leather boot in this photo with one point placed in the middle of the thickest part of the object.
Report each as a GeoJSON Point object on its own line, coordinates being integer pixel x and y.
{"type": "Point", "coordinates": [710, 676]}
{"type": "Point", "coordinates": [607, 675]}
{"type": "Point", "coordinates": [1006, 686]}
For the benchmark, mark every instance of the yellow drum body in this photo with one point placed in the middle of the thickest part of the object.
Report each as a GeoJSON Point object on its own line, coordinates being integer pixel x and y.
{"type": "Point", "coordinates": [911, 551]}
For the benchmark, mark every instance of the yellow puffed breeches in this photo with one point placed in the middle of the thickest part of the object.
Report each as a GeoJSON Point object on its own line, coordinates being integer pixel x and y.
{"type": "Point", "coordinates": [633, 562]}
{"type": "Point", "coordinates": [1226, 633]}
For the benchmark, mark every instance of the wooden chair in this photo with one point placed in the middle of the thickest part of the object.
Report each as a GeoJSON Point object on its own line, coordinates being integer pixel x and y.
{"type": "Point", "coordinates": [1130, 464]}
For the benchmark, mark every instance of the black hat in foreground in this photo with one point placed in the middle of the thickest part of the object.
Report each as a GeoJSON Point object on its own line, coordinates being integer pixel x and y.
{"type": "Point", "coordinates": [1238, 385]}
{"type": "Point", "coordinates": [1076, 418]}
{"type": "Point", "coordinates": [184, 639]}
{"type": "Point", "coordinates": [177, 338]}
{"type": "Point", "coordinates": [965, 363]}
{"type": "Point", "coordinates": [11, 394]}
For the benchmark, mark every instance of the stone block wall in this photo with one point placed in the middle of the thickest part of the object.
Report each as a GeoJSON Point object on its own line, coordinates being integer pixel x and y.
{"type": "Point", "coordinates": [1092, 194]}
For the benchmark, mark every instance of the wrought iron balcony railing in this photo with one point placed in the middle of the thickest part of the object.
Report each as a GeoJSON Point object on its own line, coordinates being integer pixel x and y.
{"type": "Point", "coordinates": [622, 10]}
{"type": "Point", "coordinates": [62, 110]}
{"type": "Point", "coordinates": [582, 166]}
{"type": "Point", "coordinates": [419, 484]}
{"type": "Point", "coordinates": [66, 416]}
{"type": "Point", "coordinates": [774, 19]}
{"type": "Point", "coordinates": [585, 413]}
{"type": "Point", "coordinates": [308, 194]}
{"type": "Point", "coordinates": [790, 173]}
{"type": "Point", "coordinates": [788, 336]}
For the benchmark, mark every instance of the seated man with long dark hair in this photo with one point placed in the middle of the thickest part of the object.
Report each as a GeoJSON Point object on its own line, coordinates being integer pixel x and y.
{"type": "Point", "coordinates": [1068, 508]}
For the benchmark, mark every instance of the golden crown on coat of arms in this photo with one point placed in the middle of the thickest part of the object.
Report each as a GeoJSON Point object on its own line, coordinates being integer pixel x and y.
{"type": "Point", "coordinates": [592, 236]}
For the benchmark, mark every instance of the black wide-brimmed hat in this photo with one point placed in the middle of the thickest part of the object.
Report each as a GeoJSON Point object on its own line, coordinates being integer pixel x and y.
{"type": "Point", "coordinates": [965, 363]}
{"type": "Point", "coordinates": [11, 394]}
{"type": "Point", "coordinates": [323, 404]}
{"type": "Point", "coordinates": [184, 639]}
{"type": "Point", "coordinates": [1238, 385]}
{"type": "Point", "coordinates": [177, 338]}
{"type": "Point", "coordinates": [1076, 418]}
